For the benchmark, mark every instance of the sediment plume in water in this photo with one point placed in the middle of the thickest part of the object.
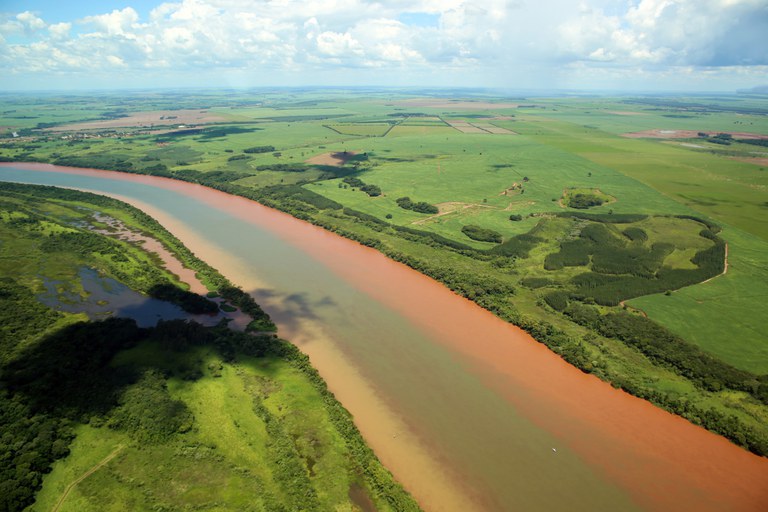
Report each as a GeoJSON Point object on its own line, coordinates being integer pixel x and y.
{"type": "Point", "coordinates": [661, 461]}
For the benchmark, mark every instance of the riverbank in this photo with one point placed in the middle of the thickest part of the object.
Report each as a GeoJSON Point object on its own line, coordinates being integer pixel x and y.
{"type": "Point", "coordinates": [643, 450]}
{"type": "Point", "coordinates": [311, 457]}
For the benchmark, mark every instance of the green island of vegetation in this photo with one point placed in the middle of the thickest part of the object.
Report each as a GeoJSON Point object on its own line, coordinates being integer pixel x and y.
{"type": "Point", "coordinates": [105, 415]}
{"type": "Point", "coordinates": [638, 245]}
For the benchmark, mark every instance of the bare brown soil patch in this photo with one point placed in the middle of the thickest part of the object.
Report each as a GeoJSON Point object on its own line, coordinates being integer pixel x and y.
{"type": "Point", "coordinates": [761, 161]}
{"type": "Point", "coordinates": [455, 104]}
{"type": "Point", "coordinates": [147, 120]}
{"type": "Point", "coordinates": [687, 134]}
{"type": "Point", "coordinates": [512, 190]}
{"type": "Point", "coordinates": [338, 158]}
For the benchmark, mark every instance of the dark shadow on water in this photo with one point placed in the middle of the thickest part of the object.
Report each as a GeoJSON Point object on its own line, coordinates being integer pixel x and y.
{"type": "Point", "coordinates": [106, 297]}
{"type": "Point", "coordinates": [289, 310]}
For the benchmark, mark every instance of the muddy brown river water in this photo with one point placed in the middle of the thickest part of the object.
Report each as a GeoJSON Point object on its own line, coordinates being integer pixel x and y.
{"type": "Point", "coordinates": [468, 412]}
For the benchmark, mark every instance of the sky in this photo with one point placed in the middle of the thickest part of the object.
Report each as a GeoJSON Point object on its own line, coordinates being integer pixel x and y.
{"type": "Point", "coordinates": [592, 45]}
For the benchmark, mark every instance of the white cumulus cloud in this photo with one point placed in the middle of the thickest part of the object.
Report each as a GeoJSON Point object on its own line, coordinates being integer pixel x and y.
{"type": "Point", "coordinates": [501, 40]}
{"type": "Point", "coordinates": [672, 32]}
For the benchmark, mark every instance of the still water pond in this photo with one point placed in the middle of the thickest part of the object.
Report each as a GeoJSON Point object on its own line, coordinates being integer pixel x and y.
{"type": "Point", "coordinates": [105, 297]}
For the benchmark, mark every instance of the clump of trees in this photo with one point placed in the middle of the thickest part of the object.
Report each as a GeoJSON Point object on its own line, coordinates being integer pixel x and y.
{"type": "Point", "coordinates": [755, 142]}
{"type": "Point", "coordinates": [724, 139]}
{"type": "Point", "coordinates": [583, 201]}
{"type": "Point", "coordinates": [481, 234]}
{"type": "Point", "coordinates": [353, 181]}
{"type": "Point", "coordinates": [68, 377]}
{"type": "Point", "coordinates": [259, 149]}
{"type": "Point", "coordinates": [283, 167]}
{"type": "Point", "coordinates": [419, 206]}
{"type": "Point", "coordinates": [188, 301]}
{"type": "Point", "coordinates": [371, 190]}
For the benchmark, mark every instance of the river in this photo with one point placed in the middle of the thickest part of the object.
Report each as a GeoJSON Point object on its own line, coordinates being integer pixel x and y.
{"type": "Point", "coordinates": [467, 411]}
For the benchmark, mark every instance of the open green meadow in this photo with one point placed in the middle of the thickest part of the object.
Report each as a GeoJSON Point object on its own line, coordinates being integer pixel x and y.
{"type": "Point", "coordinates": [542, 210]}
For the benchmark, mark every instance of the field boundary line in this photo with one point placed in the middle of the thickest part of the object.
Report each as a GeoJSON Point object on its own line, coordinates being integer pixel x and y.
{"type": "Point", "coordinates": [85, 475]}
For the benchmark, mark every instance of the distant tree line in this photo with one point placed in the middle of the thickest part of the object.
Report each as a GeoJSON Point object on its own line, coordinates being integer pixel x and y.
{"type": "Point", "coordinates": [259, 149]}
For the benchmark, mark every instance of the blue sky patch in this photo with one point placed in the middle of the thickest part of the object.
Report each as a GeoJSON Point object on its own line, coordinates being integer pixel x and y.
{"type": "Point", "coordinates": [419, 19]}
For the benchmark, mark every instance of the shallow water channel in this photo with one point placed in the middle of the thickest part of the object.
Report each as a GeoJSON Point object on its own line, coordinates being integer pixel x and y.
{"type": "Point", "coordinates": [468, 412]}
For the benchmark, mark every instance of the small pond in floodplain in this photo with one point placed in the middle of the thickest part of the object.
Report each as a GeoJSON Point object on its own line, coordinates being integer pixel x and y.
{"type": "Point", "coordinates": [105, 297]}
{"type": "Point", "coordinates": [467, 411]}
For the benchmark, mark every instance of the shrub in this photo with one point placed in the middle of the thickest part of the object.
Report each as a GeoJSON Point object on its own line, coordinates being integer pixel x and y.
{"type": "Point", "coordinates": [424, 207]}
{"type": "Point", "coordinates": [371, 190]}
{"type": "Point", "coordinates": [353, 181]}
{"type": "Point", "coordinates": [404, 202]}
{"type": "Point", "coordinates": [420, 207]}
